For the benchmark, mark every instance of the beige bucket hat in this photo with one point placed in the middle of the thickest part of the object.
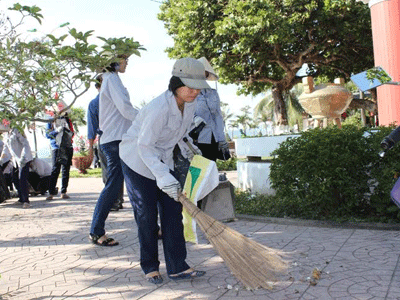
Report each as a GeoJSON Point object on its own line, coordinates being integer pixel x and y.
{"type": "Point", "coordinates": [212, 75]}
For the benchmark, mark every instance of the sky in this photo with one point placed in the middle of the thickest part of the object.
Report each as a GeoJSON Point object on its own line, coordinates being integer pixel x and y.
{"type": "Point", "coordinates": [147, 76]}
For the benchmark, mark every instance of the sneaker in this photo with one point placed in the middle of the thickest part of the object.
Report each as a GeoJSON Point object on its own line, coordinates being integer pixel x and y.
{"type": "Point", "coordinates": [49, 197]}
{"type": "Point", "coordinates": [26, 205]}
{"type": "Point", "coordinates": [64, 196]}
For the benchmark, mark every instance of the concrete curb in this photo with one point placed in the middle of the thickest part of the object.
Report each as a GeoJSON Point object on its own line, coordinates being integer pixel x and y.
{"type": "Point", "coordinates": [318, 223]}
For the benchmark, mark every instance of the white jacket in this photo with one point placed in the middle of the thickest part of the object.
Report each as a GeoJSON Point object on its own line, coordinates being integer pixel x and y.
{"type": "Point", "coordinates": [148, 144]}
{"type": "Point", "coordinates": [116, 112]}
{"type": "Point", "coordinates": [41, 167]}
{"type": "Point", "coordinates": [18, 147]}
{"type": "Point", "coordinates": [6, 157]}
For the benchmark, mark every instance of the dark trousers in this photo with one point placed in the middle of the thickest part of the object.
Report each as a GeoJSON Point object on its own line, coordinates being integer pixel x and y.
{"type": "Point", "coordinates": [209, 151]}
{"type": "Point", "coordinates": [55, 172]}
{"type": "Point", "coordinates": [147, 201]}
{"type": "Point", "coordinates": [20, 179]}
{"type": "Point", "coordinates": [8, 178]}
{"type": "Point", "coordinates": [39, 184]}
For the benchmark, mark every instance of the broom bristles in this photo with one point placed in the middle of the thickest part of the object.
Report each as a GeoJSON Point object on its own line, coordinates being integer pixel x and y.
{"type": "Point", "coordinates": [255, 265]}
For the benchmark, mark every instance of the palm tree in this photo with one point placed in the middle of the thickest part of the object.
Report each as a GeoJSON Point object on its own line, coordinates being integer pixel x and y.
{"type": "Point", "coordinates": [264, 110]}
{"type": "Point", "coordinates": [233, 124]}
{"type": "Point", "coordinates": [226, 115]}
{"type": "Point", "coordinates": [244, 119]}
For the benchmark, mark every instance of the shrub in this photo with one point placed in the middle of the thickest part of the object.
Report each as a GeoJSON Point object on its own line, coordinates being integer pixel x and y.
{"type": "Point", "coordinates": [259, 204]}
{"type": "Point", "coordinates": [227, 165]}
{"type": "Point", "coordinates": [328, 174]}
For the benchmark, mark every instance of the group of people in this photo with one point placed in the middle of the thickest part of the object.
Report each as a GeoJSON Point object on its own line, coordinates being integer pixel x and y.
{"type": "Point", "coordinates": [139, 146]}
{"type": "Point", "coordinates": [33, 175]}
{"type": "Point", "coordinates": [16, 158]}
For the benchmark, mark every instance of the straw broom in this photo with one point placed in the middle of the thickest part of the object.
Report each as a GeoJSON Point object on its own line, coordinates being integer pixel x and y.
{"type": "Point", "coordinates": [255, 265]}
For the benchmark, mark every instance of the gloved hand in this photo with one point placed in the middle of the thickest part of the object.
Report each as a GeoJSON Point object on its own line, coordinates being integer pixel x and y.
{"type": "Point", "coordinates": [173, 190]}
{"type": "Point", "coordinates": [387, 144]}
{"type": "Point", "coordinates": [223, 146]}
{"type": "Point", "coordinates": [190, 149]}
{"type": "Point", "coordinates": [224, 149]}
{"type": "Point", "coordinates": [189, 155]}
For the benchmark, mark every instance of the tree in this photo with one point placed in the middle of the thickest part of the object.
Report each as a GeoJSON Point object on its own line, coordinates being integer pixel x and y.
{"type": "Point", "coordinates": [244, 119]}
{"type": "Point", "coordinates": [264, 110]}
{"type": "Point", "coordinates": [226, 115]}
{"type": "Point", "coordinates": [34, 75]}
{"type": "Point", "coordinates": [77, 116]}
{"type": "Point", "coordinates": [233, 124]}
{"type": "Point", "coordinates": [261, 44]}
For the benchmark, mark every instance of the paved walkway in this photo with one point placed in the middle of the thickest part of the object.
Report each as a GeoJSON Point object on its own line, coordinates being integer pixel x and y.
{"type": "Point", "coordinates": [45, 254]}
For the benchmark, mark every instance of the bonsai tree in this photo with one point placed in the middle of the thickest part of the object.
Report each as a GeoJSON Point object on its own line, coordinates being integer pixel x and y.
{"type": "Point", "coordinates": [261, 45]}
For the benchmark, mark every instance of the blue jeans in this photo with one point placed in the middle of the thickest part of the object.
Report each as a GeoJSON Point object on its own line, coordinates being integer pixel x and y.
{"type": "Point", "coordinates": [111, 189]}
{"type": "Point", "coordinates": [103, 164]}
{"type": "Point", "coordinates": [147, 201]}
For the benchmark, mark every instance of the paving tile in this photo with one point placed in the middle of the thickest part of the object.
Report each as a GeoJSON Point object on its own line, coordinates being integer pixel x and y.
{"type": "Point", "coordinates": [45, 254]}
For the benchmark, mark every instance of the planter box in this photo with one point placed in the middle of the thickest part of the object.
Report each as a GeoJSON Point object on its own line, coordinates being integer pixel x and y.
{"type": "Point", "coordinates": [253, 175]}
{"type": "Point", "coordinates": [260, 146]}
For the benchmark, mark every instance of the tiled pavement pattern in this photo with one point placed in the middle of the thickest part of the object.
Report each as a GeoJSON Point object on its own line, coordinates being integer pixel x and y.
{"type": "Point", "coordinates": [45, 254]}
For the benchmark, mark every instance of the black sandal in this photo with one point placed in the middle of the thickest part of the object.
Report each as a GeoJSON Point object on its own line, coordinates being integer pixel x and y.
{"type": "Point", "coordinates": [154, 277]}
{"type": "Point", "coordinates": [188, 274]}
{"type": "Point", "coordinates": [107, 242]}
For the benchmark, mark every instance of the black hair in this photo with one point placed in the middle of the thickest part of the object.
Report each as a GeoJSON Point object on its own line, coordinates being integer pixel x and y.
{"type": "Point", "coordinates": [99, 80]}
{"type": "Point", "coordinates": [174, 84]}
{"type": "Point", "coordinates": [112, 67]}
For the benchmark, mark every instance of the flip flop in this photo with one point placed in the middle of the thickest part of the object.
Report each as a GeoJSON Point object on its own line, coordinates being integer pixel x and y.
{"type": "Point", "coordinates": [188, 274]}
{"type": "Point", "coordinates": [107, 242]}
{"type": "Point", "coordinates": [154, 277]}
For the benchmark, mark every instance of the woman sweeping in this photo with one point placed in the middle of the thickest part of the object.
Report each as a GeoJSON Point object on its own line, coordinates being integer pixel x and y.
{"type": "Point", "coordinates": [147, 162]}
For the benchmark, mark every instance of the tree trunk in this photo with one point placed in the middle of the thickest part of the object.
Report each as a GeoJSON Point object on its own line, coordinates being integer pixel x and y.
{"type": "Point", "coordinates": [280, 114]}
{"type": "Point", "coordinates": [363, 104]}
{"type": "Point", "coordinates": [4, 192]}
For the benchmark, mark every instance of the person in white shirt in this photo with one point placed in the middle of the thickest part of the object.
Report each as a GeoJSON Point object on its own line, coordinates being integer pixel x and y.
{"type": "Point", "coordinates": [39, 176]}
{"type": "Point", "coordinates": [211, 140]}
{"type": "Point", "coordinates": [17, 145]}
{"type": "Point", "coordinates": [116, 114]}
{"type": "Point", "coordinates": [146, 152]}
{"type": "Point", "coordinates": [6, 165]}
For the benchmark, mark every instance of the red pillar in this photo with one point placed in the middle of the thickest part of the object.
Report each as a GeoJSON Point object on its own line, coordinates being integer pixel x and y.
{"type": "Point", "coordinates": [385, 18]}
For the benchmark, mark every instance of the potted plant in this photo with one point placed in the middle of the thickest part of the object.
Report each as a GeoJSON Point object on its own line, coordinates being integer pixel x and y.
{"type": "Point", "coordinates": [81, 159]}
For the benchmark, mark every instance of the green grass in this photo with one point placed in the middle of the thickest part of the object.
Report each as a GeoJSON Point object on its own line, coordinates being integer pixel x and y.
{"type": "Point", "coordinates": [90, 173]}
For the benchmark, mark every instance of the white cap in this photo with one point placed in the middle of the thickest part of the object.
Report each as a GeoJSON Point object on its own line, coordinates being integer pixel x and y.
{"type": "Point", "coordinates": [191, 72]}
{"type": "Point", "coordinates": [61, 105]}
{"type": "Point", "coordinates": [212, 75]}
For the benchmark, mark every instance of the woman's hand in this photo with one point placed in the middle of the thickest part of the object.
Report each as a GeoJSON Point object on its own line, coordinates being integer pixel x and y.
{"type": "Point", "coordinates": [173, 190]}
